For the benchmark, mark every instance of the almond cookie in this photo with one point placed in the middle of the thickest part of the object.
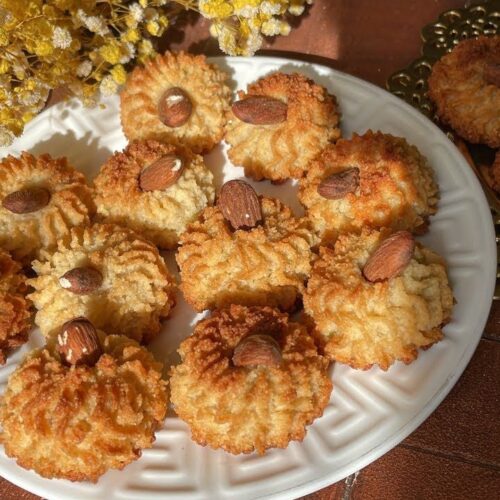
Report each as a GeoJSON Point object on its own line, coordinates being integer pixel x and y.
{"type": "Point", "coordinates": [42, 198]}
{"type": "Point", "coordinates": [249, 380]}
{"type": "Point", "coordinates": [15, 309]}
{"type": "Point", "coordinates": [279, 125]}
{"type": "Point", "coordinates": [465, 87]}
{"type": "Point", "coordinates": [374, 180]}
{"type": "Point", "coordinates": [108, 274]}
{"type": "Point", "coordinates": [177, 98]}
{"type": "Point", "coordinates": [248, 250]}
{"type": "Point", "coordinates": [377, 298]}
{"type": "Point", "coordinates": [155, 189]}
{"type": "Point", "coordinates": [72, 420]}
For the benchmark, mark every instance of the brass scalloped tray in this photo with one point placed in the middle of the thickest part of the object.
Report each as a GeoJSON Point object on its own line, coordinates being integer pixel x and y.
{"type": "Point", "coordinates": [410, 84]}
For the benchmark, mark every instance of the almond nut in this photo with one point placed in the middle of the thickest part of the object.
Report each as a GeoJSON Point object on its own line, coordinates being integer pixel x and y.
{"type": "Point", "coordinates": [492, 74]}
{"type": "Point", "coordinates": [391, 257]}
{"type": "Point", "coordinates": [337, 185]}
{"type": "Point", "coordinates": [78, 342]}
{"type": "Point", "coordinates": [81, 280]}
{"type": "Point", "coordinates": [162, 173]}
{"type": "Point", "coordinates": [26, 201]}
{"type": "Point", "coordinates": [174, 107]}
{"type": "Point", "coordinates": [260, 110]}
{"type": "Point", "coordinates": [239, 204]}
{"type": "Point", "coordinates": [257, 350]}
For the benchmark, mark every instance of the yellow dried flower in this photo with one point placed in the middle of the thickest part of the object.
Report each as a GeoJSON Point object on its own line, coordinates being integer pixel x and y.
{"type": "Point", "coordinates": [111, 52]}
{"type": "Point", "coordinates": [132, 35]}
{"type": "Point", "coordinates": [4, 66]}
{"type": "Point", "coordinates": [119, 74]}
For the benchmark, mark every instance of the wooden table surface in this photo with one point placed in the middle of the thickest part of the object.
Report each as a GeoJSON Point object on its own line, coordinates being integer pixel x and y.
{"type": "Point", "coordinates": [455, 453]}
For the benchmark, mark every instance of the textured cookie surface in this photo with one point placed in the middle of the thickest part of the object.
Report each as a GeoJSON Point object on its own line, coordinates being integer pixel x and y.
{"type": "Point", "coordinates": [70, 204]}
{"type": "Point", "coordinates": [396, 187]}
{"type": "Point", "coordinates": [283, 150]}
{"type": "Point", "coordinates": [15, 309]}
{"type": "Point", "coordinates": [137, 290]}
{"type": "Point", "coordinates": [466, 97]}
{"type": "Point", "coordinates": [363, 323]}
{"type": "Point", "coordinates": [90, 419]}
{"type": "Point", "coordinates": [160, 215]}
{"type": "Point", "coordinates": [204, 84]}
{"type": "Point", "coordinates": [266, 265]}
{"type": "Point", "coordinates": [247, 408]}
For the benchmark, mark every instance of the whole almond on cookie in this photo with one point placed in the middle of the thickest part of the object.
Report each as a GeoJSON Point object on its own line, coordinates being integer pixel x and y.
{"type": "Point", "coordinates": [81, 280]}
{"type": "Point", "coordinates": [339, 184]}
{"type": "Point", "coordinates": [391, 257]}
{"type": "Point", "coordinates": [26, 201]}
{"type": "Point", "coordinates": [257, 350]}
{"type": "Point", "coordinates": [239, 204]}
{"type": "Point", "coordinates": [162, 173]}
{"type": "Point", "coordinates": [260, 110]}
{"type": "Point", "coordinates": [78, 342]}
{"type": "Point", "coordinates": [174, 107]}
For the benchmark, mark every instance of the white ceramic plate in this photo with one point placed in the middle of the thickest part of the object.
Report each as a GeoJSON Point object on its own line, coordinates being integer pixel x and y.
{"type": "Point", "coordinates": [369, 412]}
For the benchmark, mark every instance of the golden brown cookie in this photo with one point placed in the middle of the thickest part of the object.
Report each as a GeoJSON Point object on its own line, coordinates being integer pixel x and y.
{"type": "Point", "coordinates": [15, 309]}
{"type": "Point", "coordinates": [77, 422]}
{"type": "Point", "coordinates": [176, 98]}
{"type": "Point", "coordinates": [108, 274]}
{"type": "Point", "coordinates": [263, 265]}
{"type": "Point", "coordinates": [363, 322]}
{"type": "Point", "coordinates": [465, 87]}
{"type": "Point", "coordinates": [42, 198]}
{"type": "Point", "coordinates": [156, 189]}
{"type": "Point", "coordinates": [249, 380]}
{"type": "Point", "coordinates": [277, 150]}
{"type": "Point", "coordinates": [373, 180]}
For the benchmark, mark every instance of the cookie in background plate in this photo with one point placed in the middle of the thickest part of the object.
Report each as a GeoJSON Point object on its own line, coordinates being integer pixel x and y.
{"type": "Point", "coordinates": [465, 87]}
{"type": "Point", "coordinates": [249, 380]}
{"type": "Point", "coordinates": [41, 199]}
{"type": "Point", "coordinates": [15, 309]}
{"type": "Point", "coordinates": [247, 250]}
{"type": "Point", "coordinates": [177, 98]}
{"type": "Point", "coordinates": [377, 298]}
{"type": "Point", "coordinates": [372, 180]}
{"type": "Point", "coordinates": [89, 404]}
{"type": "Point", "coordinates": [109, 274]}
{"type": "Point", "coordinates": [279, 125]}
{"type": "Point", "coordinates": [154, 188]}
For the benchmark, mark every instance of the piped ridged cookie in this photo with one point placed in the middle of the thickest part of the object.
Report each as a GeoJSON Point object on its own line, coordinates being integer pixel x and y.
{"type": "Point", "coordinates": [377, 298]}
{"type": "Point", "coordinates": [372, 180]}
{"type": "Point", "coordinates": [249, 380]}
{"type": "Point", "coordinates": [41, 198]}
{"type": "Point", "coordinates": [176, 98]}
{"type": "Point", "coordinates": [155, 189]}
{"type": "Point", "coordinates": [15, 309]}
{"type": "Point", "coordinates": [465, 87]}
{"type": "Point", "coordinates": [109, 274]}
{"type": "Point", "coordinates": [75, 421]}
{"type": "Point", "coordinates": [280, 124]}
{"type": "Point", "coordinates": [247, 250]}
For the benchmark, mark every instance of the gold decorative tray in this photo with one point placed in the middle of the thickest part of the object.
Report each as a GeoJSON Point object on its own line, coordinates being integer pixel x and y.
{"type": "Point", "coordinates": [410, 84]}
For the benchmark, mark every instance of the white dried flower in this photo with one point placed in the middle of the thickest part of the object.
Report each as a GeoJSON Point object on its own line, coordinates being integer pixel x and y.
{"type": "Point", "coordinates": [84, 69]}
{"type": "Point", "coordinates": [271, 27]}
{"type": "Point", "coordinates": [6, 137]}
{"type": "Point", "coordinates": [96, 24]}
{"type": "Point", "coordinates": [137, 12]}
{"type": "Point", "coordinates": [61, 38]}
{"type": "Point", "coordinates": [108, 86]}
{"type": "Point", "coordinates": [270, 8]}
{"type": "Point", "coordinates": [130, 53]}
{"type": "Point", "coordinates": [247, 12]}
